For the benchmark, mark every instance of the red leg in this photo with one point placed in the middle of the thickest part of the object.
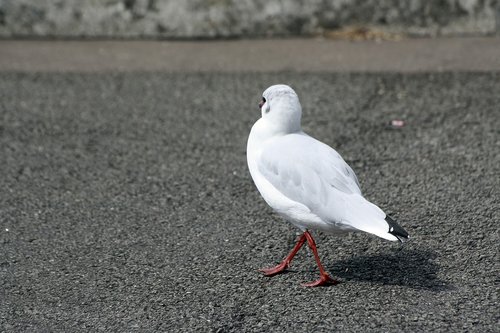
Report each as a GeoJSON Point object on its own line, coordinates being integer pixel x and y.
{"type": "Point", "coordinates": [286, 262]}
{"type": "Point", "coordinates": [324, 278]}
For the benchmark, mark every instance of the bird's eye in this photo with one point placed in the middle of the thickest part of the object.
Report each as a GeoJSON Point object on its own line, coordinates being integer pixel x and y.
{"type": "Point", "coordinates": [262, 102]}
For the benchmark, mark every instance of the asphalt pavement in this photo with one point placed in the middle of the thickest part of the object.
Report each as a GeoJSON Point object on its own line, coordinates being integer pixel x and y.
{"type": "Point", "coordinates": [126, 204]}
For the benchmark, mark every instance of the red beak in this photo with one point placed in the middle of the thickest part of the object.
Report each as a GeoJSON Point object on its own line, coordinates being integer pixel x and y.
{"type": "Point", "coordinates": [260, 104]}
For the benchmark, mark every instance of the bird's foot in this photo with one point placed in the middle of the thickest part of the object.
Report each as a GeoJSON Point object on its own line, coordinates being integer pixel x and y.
{"type": "Point", "coordinates": [275, 270]}
{"type": "Point", "coordinates": [324, 280]}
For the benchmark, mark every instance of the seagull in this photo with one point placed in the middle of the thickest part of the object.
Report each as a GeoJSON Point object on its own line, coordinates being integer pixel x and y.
{"type": "Point", "coordinates": [307, 182]}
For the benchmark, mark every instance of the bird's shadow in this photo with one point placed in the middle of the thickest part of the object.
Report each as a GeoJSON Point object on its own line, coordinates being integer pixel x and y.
{"type": "Point", "coordinates": [410, 268]}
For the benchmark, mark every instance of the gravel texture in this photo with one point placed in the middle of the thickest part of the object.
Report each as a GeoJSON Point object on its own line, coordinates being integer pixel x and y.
{"type": "Point", "coordinates": [242, 18]}
{"type": "Point", "coordinates": [126, 204]}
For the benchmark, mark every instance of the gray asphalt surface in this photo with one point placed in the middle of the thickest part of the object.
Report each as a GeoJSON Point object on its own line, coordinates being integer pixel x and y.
{"type": "Point", "coordinates": [126, 204]}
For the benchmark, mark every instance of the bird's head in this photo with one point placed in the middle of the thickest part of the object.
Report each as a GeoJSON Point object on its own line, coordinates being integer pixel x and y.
{"type": "Point", "coordinates": [280, 106]}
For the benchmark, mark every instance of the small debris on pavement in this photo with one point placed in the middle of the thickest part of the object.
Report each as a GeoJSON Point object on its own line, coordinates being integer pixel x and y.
{"type": "Point", "coordinates": [396, 123]}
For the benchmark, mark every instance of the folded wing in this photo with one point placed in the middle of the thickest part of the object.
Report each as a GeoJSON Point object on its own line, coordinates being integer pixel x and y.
{"type": "Point", "coordinates": [309, 172]}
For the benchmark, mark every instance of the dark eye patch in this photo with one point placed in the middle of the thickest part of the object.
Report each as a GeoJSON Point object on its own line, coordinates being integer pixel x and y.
{"type": "Point", "coordinates": [262, 102]}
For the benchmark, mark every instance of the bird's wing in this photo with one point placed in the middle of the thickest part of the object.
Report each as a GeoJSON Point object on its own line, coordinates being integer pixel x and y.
{"type": "Point", "coordinates": [306, 170]}
{"type": "Point", "coordinates": [313, 174]}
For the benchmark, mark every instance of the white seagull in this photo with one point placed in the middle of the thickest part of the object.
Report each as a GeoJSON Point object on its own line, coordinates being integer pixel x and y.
{"type": "Point", "coordinates": [307, 182]}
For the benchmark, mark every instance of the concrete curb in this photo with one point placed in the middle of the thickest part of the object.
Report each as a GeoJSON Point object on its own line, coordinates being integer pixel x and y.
{"type": "Point", "coordinates": [411, 55]}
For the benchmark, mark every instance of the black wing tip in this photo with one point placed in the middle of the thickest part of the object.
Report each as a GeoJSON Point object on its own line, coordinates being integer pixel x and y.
{"type": "Point", "coordinates": [396, 230]}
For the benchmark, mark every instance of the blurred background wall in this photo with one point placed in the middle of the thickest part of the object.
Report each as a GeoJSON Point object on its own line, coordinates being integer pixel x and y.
{"type": "Point", "coordinates": [192, 19]}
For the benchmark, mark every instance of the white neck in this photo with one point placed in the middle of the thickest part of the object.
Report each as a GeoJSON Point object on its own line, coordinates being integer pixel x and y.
{"type": "Point", "coordinates": [284, 117]}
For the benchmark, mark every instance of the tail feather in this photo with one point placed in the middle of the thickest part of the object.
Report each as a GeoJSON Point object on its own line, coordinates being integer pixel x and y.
{"type": "Point", "coordinates": [396, 230]}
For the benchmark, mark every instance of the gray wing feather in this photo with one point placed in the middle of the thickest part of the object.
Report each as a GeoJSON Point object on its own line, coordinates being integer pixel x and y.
{"type": "Point", "coordinates": [306, 170]}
